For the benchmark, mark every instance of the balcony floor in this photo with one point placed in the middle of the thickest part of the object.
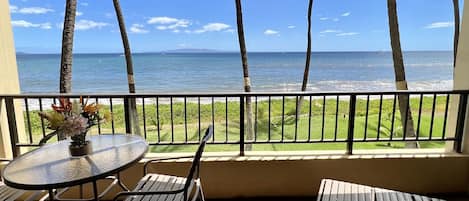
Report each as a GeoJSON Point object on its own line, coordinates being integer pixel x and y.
{"type": "Point", "coordinates": [458, 197]}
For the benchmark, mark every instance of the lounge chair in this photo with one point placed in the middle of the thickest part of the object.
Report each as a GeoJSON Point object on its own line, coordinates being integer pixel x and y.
{"type": "Point", "coordinates": [332, 190]}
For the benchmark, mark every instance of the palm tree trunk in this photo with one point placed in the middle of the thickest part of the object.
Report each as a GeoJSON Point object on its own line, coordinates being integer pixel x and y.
{"type": "Point", "coordinates": [308, 60]}
{"type": "Point", "coordinates": [130, 69]}
{"type": "Point", "coordinates": [401, 83]}
{"type": "Point", "coordinates": [66, 58]}
{"type": "Point", "coordinates": [67, 47]}
{"type": "Point", "coordinates": [247, 82]}
{"type": "Point", "coordinates": [456, 30]}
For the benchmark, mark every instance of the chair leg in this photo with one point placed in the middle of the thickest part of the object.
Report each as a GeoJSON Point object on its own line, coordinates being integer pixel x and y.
{"type": "Point", "coordinates": [81, 191]}
{"type": "Point", "coordinates": [201, 192]}
{"type": "Point", "coordinates": [198, 194]}
{"type": "Point", "coordinates": [202, 197]}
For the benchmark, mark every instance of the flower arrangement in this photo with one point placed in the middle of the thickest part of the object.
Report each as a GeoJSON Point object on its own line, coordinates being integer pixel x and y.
{"type": "Point", "coordinates": [73, 119]}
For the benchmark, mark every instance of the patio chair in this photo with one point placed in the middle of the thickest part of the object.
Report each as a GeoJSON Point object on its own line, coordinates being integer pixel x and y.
{"type": "Point", "coordinates": [167, 187]}
{"type": "Point", "coordinates": [11, 194]}
{"type": "Point", "coordinates": [339, 190]}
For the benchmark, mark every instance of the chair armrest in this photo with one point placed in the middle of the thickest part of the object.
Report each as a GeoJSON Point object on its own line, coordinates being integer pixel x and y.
{"type": "Point", "coordinates": [129, 193]}
{"type": "Point", "coordinates": [145, 165]}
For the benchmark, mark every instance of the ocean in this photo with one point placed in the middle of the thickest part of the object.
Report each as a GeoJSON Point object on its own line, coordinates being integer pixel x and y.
{"type": "Point", "coordinates": [222, 72]}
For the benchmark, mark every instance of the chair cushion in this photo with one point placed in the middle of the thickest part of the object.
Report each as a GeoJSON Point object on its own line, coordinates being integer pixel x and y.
{"type": "Point", "coordinates": [160, 182]}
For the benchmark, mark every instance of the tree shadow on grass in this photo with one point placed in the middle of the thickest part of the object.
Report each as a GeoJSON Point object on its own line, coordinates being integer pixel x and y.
{"type": "Point", "coordinates": [265, 129]}
{"type": "Point", "coordinates": [174, 148]}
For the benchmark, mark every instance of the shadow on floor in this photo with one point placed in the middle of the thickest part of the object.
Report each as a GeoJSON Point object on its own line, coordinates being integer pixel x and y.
{"type": "Point", "coordinates": [457, 197]}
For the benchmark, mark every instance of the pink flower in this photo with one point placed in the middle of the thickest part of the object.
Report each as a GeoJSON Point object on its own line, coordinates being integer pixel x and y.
{"type": "Point", "coordinates": [74, 125]}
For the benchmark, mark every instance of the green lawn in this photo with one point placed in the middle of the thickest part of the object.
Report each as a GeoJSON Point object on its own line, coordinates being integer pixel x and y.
{"type": "Point", "coordinates": [221, 117]}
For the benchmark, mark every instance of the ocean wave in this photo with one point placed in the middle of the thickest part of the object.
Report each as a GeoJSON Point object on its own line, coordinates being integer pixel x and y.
{"type": "Point", "coordinates": [430, 65]}
{"type": "Point", "coordinates": [347, 85]}
{"type": "Point", "coordinates": [348, 65]}
{"type": "Point", "coordinates": [319, 86]}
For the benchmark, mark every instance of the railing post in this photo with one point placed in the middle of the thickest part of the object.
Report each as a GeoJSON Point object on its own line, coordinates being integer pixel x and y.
{"type": "Point", "coordinates": [241, 125]}
{"type": "Point", "coordinates": [11, 116]}
{"type": "Point", "coordinates": [460, 123]}
{"type": "Point", "coordinates": [351, 123]}
{"type": "Point", "coordinates": [128, 125]}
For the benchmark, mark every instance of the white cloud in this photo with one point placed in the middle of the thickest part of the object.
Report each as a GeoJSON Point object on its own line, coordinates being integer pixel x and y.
{"type": "Point", "coordinates": [323, 18]}
{"type": "Point", "coordinates": [13, 9]}
{"type": "Point", "coordinates": [89, 24]}
{"type": "Point", "coordinates": [175, 25]}
{"type": "Point", "coordinates": [436, 25]}
{"type": "Point", "coordinates": [162, 20]}
{"type": "Point", "coordinates": [180, 23]}
{"type": "Point", "coordinates": [335, 19]}
{"type": "Point", "coordinates": [26, 24]}
{"type": "Point", "coordinates": [291, 27]}
{"type": "Point", "coordinates": [22, 23]}
{"type": "Point", "coordinates": [30, 10]}
{"type": "Point", "coordinates": [230, 30]}
{"type": "Point", "coordinates": [138, 28]}
{"type": "Point", "coordinates": [84, 4]}
{"type": "Point", "coordinates": [347, 34]}
{"type": "Point", "coordinates": [161, 27]}
{"type": "Point", "coordinates": [169, 23]}
{"type": "Point", "coordinates": [108, 15]}
{"type": "Point", "coordinates": [270, 32]}
{"type": "Point", "coordinates": [46, 25]}
{"type": "Point", "coordinates": [346, 14]}
{"type": "Point", "coordinates": [330, 31]}
{"type": "Point", "coordinates": [211, 27]}
{"type": "Point", "coordinates": [215, 26]}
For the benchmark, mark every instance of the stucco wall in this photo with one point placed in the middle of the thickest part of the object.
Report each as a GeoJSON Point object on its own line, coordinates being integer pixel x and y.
{"type": "Point", "coordinates": [462, 62]}
{"type": "Point", "coordinates": [300, 175]}
{"type": "Point", "coordinates": [461, 71]}
{"type": "Point", "coordinates": [9, 82]}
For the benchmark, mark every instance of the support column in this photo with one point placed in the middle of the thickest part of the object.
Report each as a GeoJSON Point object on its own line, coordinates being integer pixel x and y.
{"type": "Point", "coordinates": [460, 81]}
{"type": "Point", "coordinates": [9, 81]}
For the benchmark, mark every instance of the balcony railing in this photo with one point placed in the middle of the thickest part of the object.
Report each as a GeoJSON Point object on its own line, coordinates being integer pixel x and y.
{"type": "Point", "coordinates": [345, 119]}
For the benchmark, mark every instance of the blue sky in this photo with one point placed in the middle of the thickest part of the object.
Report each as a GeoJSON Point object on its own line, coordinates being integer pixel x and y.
{"type": "Point", "coordinates": [270, 25]}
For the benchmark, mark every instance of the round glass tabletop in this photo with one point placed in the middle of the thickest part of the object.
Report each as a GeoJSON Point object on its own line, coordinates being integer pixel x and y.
{"type": "Point", "coordinates": [51, 166]}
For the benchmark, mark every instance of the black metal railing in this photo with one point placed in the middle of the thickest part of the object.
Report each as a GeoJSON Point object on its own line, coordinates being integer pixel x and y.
{"type": "Point", "coordinates": [345, 119]}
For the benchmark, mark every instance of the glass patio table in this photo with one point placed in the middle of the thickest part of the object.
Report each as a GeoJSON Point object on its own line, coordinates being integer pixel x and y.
{"type": "Point", "coordinates": [51, 166]}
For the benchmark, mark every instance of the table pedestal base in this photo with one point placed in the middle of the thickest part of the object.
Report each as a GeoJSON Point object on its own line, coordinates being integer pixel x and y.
{"type": "Point", "coordinates": [116, 180]}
